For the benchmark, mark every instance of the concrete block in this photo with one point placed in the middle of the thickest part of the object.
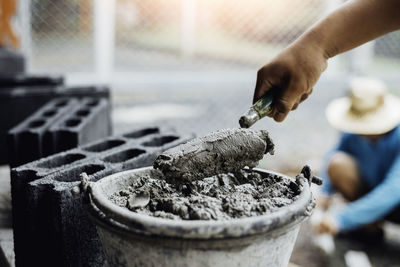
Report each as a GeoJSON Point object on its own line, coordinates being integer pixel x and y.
{"type": "Point", "coordinates": [20, 100]}
{"type": "Point", "coordinates": [25, 141]}
{"type": "Point", "coordinates": [50, 223]}
{"type": "Point", "coordinates": [53, 210]}
{"type": "Point", "coordinates": [18, 104]}
{"type": "Point", "coordinates": [62, 124]}
{"type": "Point", "coordinates": [21, 206]}
{"type": "Point", "coordinates": [29, 81]}
{"type": "Point", "coordinates": [11, 62]}
{"type": "Point", "coordinates": [88, 121]}
{"type": "Point", "coordinates": [84, 91]}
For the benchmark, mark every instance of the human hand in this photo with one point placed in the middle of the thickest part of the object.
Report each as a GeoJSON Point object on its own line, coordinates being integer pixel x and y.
{"type": "Point", "coordinates": [323, 202]}
{"type": "Point", "coordinates": [328, 225]}
{"type": "Point", "coordinates": [292, 74]}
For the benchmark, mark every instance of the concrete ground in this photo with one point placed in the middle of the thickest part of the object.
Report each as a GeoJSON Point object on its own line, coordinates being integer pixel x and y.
{"type": "Point", "coordinates": [203, 107]}
{"type": "Point", "coordinates": [309, 252]}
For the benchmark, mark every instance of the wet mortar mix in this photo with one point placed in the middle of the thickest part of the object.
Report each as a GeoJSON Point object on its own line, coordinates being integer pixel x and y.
{"type": "Point", "coordinates": [206, 179]}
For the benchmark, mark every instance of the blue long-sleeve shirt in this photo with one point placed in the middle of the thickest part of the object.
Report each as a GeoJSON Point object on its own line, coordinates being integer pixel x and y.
{"type": "Point", "coordinates": [379, 166]}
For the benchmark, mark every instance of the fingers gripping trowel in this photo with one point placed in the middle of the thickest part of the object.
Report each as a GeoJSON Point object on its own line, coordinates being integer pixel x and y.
{"type": "Point", "coordinates": [259, 110]}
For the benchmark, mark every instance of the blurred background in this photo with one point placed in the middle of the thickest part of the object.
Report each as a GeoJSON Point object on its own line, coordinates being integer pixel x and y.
{"type": "Point", "coordinates": [191, 64]}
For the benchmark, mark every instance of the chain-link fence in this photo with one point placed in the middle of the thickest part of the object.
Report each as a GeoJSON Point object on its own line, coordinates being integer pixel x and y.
{"type": "Point", "coordinates": [182, 34]}
{"type": "Point", "coordinates": [61, 33]}
{"type": "Point", "coordinates": [386, 57]}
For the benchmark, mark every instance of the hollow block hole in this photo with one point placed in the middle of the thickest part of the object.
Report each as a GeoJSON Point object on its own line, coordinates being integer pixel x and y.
{"type": "Point", "coordinates": [124, 155]}
{"type": "Point", "coordinates": [61, 103]}
{"type": "Point", "coordinates": [72, 122]}
{"type": "Point", "coordinates": [49, 113]}
{"type": "Point", "coordinates": [83, 112]}
{"type": "Point", "coordinates": [36, 123]}
{"type": "Point", "coordinates": [92, 103]}
{"type": "Point", "coordinates": [160, 141]}
{"type": "Point", "coordinates": [72, 175]}
{"type": "Point", "coordinates": [60, 160]}
{"type": "Point", "coordinates": [104, 145]}
{"type": "Point", "coordinates": [141, 133]}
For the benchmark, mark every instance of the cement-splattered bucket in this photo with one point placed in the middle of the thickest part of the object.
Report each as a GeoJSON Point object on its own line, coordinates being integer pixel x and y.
{"type": "Point", "coordinates": [131, 239]}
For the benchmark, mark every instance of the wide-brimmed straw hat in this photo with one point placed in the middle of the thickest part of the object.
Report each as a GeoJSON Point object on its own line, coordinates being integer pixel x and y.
{"type": "Point", "coordinates": [368, 109]}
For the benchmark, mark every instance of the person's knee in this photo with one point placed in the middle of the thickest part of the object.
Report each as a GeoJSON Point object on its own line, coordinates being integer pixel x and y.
{"type": "Point", "coordinates": [342, 166]}
{"type": "Point", "coordinates": [344, 176]}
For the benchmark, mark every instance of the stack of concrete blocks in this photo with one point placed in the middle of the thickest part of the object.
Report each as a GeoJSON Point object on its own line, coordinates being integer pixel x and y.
{"type": "Point", "coordinates": [11, 62]}
{"type": "Point", "coordinates": [51, 227]}
{"type": "Point", "coordinates": [8, 81]}
{"type": "Point", "coordinates": [22, 95]}
{"type": "Point", "coordinates": [61, 124]}
{"type": "Point", "coordinates": [19, 99]}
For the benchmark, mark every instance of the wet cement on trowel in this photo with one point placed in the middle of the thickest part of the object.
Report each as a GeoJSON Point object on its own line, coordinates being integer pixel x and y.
{"type": "Point", "coordinates": [219, 152]}
{"type": "Point", "coordinates": [204, 179]}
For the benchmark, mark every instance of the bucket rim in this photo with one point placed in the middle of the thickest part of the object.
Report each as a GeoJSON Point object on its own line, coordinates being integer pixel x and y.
{"type": "Point", "coordinates": [105, 210]}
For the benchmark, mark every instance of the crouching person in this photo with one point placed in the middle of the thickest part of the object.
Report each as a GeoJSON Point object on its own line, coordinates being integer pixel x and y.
{"type": "Point", "coordinates": [365, 166]}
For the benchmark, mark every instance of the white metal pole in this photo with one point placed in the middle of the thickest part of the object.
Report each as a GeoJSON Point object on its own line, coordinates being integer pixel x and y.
{"type": "Point", "coordinates": [188, 26]}
{"type": "Point", "coordinates": [104, 39]}
{"type": "Point", "coordinates": [24, 33]}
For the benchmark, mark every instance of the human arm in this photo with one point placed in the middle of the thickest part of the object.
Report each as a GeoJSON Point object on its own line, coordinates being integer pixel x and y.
{"type": "Point", "coordinates": [374, 205]}
{"type": "Point", "coordinates": [294, 72]}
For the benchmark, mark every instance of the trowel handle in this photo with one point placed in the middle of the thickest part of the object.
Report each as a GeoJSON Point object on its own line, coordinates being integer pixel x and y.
{"type": "Point", "coordinates": [258, 111]}
{"type": "Point", "coordinates": [264, 105]}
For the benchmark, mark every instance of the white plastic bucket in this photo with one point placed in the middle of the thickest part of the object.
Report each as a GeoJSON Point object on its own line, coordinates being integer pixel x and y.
{"type": "Point", "coordinates": [131, 239]}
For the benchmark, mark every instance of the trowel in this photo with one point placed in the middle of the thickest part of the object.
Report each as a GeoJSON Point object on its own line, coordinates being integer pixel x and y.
{"type": "Point", "coordinates": [219, 152]}
{"type": "Point", "coordinates": [259, 110]}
